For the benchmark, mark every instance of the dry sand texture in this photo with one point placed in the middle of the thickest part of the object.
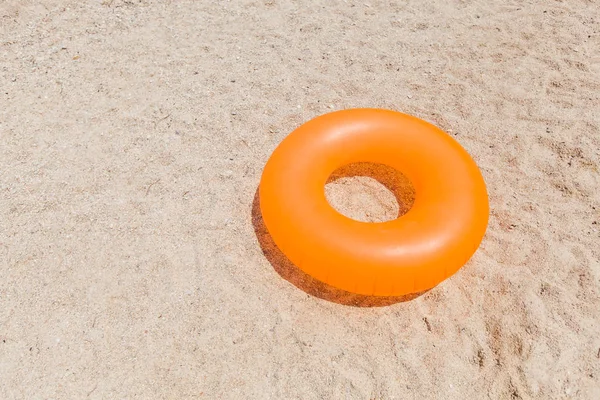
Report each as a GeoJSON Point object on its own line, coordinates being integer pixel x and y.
{"type": "Point", "coordinates": [132, 139]}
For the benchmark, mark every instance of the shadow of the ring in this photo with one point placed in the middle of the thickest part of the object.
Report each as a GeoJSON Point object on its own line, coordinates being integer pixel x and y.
{"type": "Point", "coordinates": [290, 272]}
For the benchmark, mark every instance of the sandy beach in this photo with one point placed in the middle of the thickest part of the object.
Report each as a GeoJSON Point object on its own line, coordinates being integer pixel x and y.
{"type": "Point", "coordinates": [134, 263]}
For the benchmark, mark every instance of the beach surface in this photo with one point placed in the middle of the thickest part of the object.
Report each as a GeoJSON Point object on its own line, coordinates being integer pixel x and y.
{"type": "Point", "coordinates": [134, 263]}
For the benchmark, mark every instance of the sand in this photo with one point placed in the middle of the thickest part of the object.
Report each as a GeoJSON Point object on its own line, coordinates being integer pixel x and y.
{"type": "Point", "coordinates": [132, 139]}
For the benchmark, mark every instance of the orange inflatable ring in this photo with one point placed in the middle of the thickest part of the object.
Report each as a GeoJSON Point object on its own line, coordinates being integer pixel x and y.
{"type": "Point", "coordinates": [410, 254]}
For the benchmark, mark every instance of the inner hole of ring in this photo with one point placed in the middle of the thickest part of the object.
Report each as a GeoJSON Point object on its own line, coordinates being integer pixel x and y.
{"type": "Point", "coordinates": [369, 192]}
